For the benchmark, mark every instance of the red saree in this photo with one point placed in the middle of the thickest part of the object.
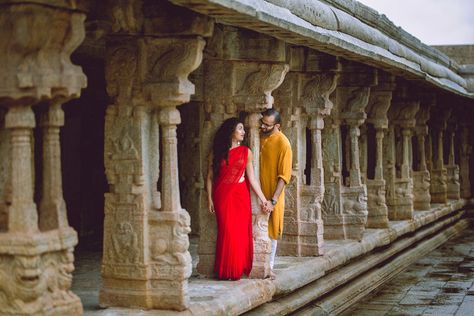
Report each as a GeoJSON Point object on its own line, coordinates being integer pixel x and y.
{"type": "Point", "coordinates": [234, 248]}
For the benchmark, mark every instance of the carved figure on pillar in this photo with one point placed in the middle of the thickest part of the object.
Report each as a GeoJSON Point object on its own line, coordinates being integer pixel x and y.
{"type": "Point", "coordinates": [36, 243]}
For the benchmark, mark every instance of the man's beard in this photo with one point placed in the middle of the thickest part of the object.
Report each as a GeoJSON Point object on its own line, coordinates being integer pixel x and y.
{"type": "Point", "coordinates": [267, 131]}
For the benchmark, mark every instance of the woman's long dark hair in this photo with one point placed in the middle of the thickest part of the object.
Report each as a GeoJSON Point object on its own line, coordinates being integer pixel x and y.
{"type": "Point", "coordinates": [222, 143]}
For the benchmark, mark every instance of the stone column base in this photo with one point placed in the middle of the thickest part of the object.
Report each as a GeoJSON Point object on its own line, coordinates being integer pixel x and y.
{"type": "Point", "coordinates": [334, 227]}
{"type": "Point", "coordinates": [439, 197]}
{"type": "Point", "coordinates": [378, 221]}
{"type": "Point", "coordinates": [377, 209]}
{"type": "Point", "coordinates": [156, 292]}
{"type": "Point", "coordinates": [354, 225]}
{"type": "Point", "coordinates": [308, 243]}
{"type": "Point", "coordinates": [36, 274]}
{"type": "Point", "coordinates": [345, 226]}
{"type": "Point", "coordinates": [438, 189]}
{"type": "Point", "coordinates": [400, 212]}
{"type": "Point", "coordinates": [421, 190]}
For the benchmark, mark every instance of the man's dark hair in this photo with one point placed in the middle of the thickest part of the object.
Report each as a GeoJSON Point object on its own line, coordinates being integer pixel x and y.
{"type": "Point", "coordinates": [274, 113]}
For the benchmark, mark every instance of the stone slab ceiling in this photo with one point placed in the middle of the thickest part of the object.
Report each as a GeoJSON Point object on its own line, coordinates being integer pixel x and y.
{"type": "Point", "coordinates": [344, 28]}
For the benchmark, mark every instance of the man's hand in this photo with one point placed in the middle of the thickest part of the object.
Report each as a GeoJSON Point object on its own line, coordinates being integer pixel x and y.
{"type": "Point", "coordinates": [267, 207]}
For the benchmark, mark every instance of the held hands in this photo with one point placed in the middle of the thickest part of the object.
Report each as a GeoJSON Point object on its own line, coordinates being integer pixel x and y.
{"type": "Point", "coordinates": [267, 207]}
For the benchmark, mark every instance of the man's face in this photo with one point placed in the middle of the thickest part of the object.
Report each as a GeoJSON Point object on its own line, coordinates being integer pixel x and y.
{"type": "Point", "coordinates": [267, 125]}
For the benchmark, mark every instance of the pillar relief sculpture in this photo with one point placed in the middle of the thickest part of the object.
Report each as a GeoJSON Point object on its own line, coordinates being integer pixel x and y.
{"type": "Point", "coordinates": [36, 243]}
{"type": "Point", "coordinates": [398, 163]}
{"type": "Point", "coordinates": [146, 260]}
{"type": "Point", "coordinates": [438, 124]}
{"type": "Point", "coordinates": [241, 68]}
{"type": "Point", "coordinates": [304, 101]}
{"type": "Point", "coordinates": [421, 175]}
{"type": "Point", "coordinates": [345, 204]}
{"type": "Point", "coordinates": [377, 108]}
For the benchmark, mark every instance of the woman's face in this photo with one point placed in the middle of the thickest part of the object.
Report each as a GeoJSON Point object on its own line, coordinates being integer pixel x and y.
{"type": "Point", "coordinates": [239, 133]}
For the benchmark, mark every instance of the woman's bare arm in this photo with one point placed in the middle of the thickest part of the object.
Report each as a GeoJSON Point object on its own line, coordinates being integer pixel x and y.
{"type": "Point", "coordinates": [252, 180]}
{"type": "Point", "coordinates": [210, 175]}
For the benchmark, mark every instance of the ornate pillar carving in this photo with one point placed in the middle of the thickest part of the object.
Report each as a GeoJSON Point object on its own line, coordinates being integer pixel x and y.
{"type": "Point", "coordinates": [36, 260]}
{"type": "Point", "coordinates": [242, 68]}
{"type": "Point", "coordinates": [146, 260]}
{"type": "Point", "coordinates": [421, 176]}
{"type": "Point", "coordinates": [345, 212]}
{"type": "Point", "coordinates": [379, 103]}
{"type": "Point", "coordinates": [438, 188]}
{"type": "Point", "coordinates": [398, 168]}
{"type": "Point", "coordinates": [312, 83]}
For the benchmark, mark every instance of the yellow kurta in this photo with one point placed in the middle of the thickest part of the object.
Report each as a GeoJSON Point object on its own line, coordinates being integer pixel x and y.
{"type": "Point", "coordinates": [275, 162]}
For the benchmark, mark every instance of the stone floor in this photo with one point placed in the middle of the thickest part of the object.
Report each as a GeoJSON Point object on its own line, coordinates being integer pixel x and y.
{"type": "Point", "coordinates": [440, 284]}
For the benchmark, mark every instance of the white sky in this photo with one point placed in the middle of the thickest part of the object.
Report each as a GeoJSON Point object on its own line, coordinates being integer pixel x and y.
{"type": "Point", "coordinates": [434, 22]}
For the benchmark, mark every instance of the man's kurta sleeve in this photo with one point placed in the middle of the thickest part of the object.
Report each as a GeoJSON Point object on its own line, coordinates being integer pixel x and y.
{"type": "Point", "coordinates": [285, 163]}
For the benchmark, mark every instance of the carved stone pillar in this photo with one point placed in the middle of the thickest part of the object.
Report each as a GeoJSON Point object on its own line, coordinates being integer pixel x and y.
{"type": "Point", "coordinates": [379, 103]}
{"type": "Point", "coordinates": [305, 93]}
{"type": "Point", "coordinates": [345, 212]}
{"type": "Point", "coordinates": [438, 188]}
{"type": "Point", "coordinates": [36, 260]}
{"type": "Point", "coordinates": [52, 208]}
{"type": "Point", "coordinates": [242, 68]}
{"type": "Point", "coordinates": [146, 261]}
{"type": "Point", "coordinates": [453, 188]}
{"type": "Point", "coordinates": [398, 169]}
{"type": "Point", "coordinates": [421, 176]}
{"type": "Point", "coordinates": [464, 158]}
{"type": "Point", "coordinates": [261, 241]}
{"type": "Point", "coordinates": [363, 159]}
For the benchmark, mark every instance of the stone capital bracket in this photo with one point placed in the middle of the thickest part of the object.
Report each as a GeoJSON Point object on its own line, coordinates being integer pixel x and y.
{"type": "Point", "coordinates": [37, 47]}
{"type": "Point", "coordinates": [164, 66]}
{"type": "Point", "coordinates": [316, 92]}
{"type": "Point", "coordinates": [422, 117]}
{"type": "Point", "coordinates": [255, 91]}
{"type": "Point", "coordinates": [354, 113]}
{"type": "Point", "coordinates": [404, 113]}
{"type": "Point", "coordinates": [380, 100]}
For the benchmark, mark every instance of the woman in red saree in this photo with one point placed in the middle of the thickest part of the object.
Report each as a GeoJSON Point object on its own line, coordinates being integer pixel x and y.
{"type": "Point", "coordinates": [229, 177]}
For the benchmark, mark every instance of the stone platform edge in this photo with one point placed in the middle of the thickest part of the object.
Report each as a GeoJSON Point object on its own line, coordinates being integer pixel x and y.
{"type": "Point", "coordinates": [305, 281]}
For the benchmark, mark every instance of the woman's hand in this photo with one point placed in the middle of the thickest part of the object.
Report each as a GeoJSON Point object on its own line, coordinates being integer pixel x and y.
{"type": "Point", "coordinates": [267, 207]}
{"type": "Point", "coordinates": [211, 206]}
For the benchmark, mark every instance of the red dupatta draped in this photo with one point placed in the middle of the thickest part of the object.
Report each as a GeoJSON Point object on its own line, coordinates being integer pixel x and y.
{"type": "Point", "coordinates": [234, 247]}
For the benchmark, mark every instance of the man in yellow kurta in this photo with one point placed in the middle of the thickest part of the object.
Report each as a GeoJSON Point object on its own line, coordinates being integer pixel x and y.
{"type": "Point", "coordinates": [275, 173]}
